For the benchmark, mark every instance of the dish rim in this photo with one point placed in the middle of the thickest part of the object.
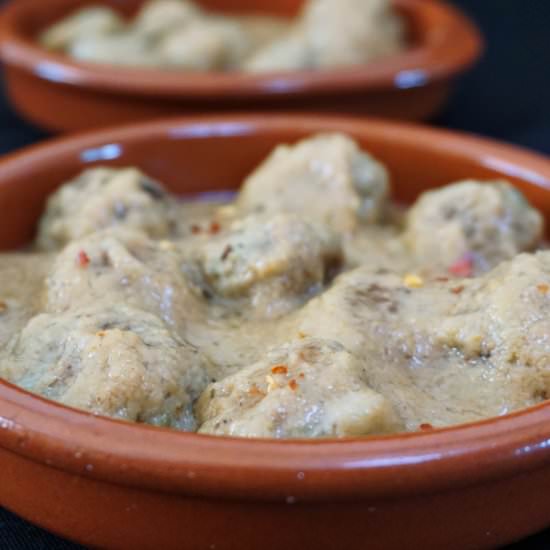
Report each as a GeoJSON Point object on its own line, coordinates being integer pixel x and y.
{"type": "Point", "coordinates": [451, 45]}
{"type": "Point", "coordinates": [300, 470]}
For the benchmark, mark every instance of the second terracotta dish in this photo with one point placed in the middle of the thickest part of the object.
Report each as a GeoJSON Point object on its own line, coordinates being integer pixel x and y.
{"type": "Point", "coordinates": [59, 93]}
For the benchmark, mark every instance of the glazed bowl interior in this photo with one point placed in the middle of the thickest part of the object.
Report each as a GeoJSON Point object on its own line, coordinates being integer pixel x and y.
{"type": "Point", "coordinates": [195, 155]}
{"type": "Point", "coordinates": [441, 42]}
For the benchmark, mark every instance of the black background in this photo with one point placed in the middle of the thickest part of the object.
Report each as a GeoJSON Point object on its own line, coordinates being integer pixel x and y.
{"type": "Point", "coordinates": [506, 96]}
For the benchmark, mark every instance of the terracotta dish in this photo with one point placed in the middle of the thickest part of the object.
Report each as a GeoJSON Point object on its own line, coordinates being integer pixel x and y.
{"type": "Point", "coordinates": [111, 484]}
{"type": "Point", "coordinates": [58, 93]}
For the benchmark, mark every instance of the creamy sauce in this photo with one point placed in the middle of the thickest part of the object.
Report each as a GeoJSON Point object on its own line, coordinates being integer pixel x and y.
{"type": "Point", "coordinates": [307, 306]}
{"type": "Point", "coordinates": [21, 279]}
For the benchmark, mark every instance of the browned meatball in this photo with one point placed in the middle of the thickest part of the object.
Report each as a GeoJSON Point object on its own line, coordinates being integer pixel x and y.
{"type": "Point", "coordinates": [308, 388]}
{"type": "Point", "coordinates": [123, 266]}
{"type": "Point", "coordinates": [94, 22]}
{"type": "Point", "coordinates": [325, 179]}
{"type": "Point", "coordinates": [105, 197]}
{"type": "Point", "coordinates": [115, 360]}
{"type": "Point", "coordinates": [273, 264]}
{"type": "Point", "coordinates": [491, 221]}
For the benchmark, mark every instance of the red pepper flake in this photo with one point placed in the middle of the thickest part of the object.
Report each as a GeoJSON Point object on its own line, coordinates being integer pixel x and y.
{"type": "Point", "coordinates": [195, 229]}
{"type": "Point", "coordinates": [301, 375]}
{"type": "Point", "coordinates": [228, 249]}
{"type": "Point", "coordinates": [426, 427]}
{"type": "Point", "coordinates": [254, 390]}
{"type": "Point", "coordinates": [543, 288]}
{"type": "Point", "coordinates": [3, 306]}
{"type": "Point", "coordinates": [293, 385]}
{"type": "Point", "coordinates": [83, 259]}
{"type": "Point", "coordinates": [279, 369]}
{"type": "Point", "coordinates": [442, 279]}
{"type": "Point", "coordinates": [457, 289]}
{"type": "Point", "coordinates": [215, 227]}
{"type": "Point", "coordinates": [463, 267]}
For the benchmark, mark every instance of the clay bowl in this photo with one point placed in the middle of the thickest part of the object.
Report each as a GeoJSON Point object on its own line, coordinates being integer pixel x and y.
{"type": "Point", "coordinates": [117, 485]}
{"type": "Point", "coordinates": [59, 94]}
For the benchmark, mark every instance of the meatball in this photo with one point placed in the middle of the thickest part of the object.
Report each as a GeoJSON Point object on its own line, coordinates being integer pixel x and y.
{"type": "Point", "coordinates": [332, 33]}
{"type": "Point", "coordinates": [350, 32]}
{"type": "Point", "coordinates": [127, 48]}
{"type": "Point", "coordinates": [286, 53]}
{"type": "Point", "coordinates": [207, 44]}
{"type": "Point", "coordinates": [485, 221]}
{"type": "Point", "coordinates": [127, 267]}
{"type": "Point", "coordinates": [105, 197]}
{"type": "Point", "coordinates": [503, 314]}
{"type": "Point", "coordinates": [275, 263]}
{"type": "Point", "coordinates": [115, 361]}
{"type": "Point", "coordinates": [307, 388]}
{"type": "Point", "coordinates": [446, 351]}
{"type": "Point", "coordinates": [326, 179]}
{"type": "Point", "coordinates": [499, 324]}
{"type": "Point", "coordinates": [95, 21]}
{"type": "Point", "coordinates": [157, 17]}
{"type": "Point", "coordinates": [263, 29]}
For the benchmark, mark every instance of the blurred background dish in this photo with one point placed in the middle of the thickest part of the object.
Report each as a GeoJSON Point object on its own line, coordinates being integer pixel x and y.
{"type": "Point", "coordinates": [59, 93]}
{"type": "Point", "coordinates": [181, 35]}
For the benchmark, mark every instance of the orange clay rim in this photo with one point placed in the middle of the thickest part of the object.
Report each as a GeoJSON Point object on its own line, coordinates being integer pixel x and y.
{"type": "Point", "coordinates": [449, 47]}
{"type": "Point", "coordinates": [274, 470]}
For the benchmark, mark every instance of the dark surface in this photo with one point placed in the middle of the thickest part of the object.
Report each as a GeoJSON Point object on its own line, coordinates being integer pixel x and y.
{"type": "Point", "coordinates": [507, 96]}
